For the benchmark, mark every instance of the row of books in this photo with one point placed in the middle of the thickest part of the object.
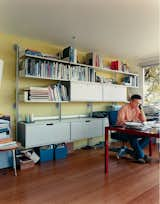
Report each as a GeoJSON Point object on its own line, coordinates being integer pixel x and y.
{"type": "Point", "coordinates": [55, 70]}
{"type": "Point", "coordinates": [56, 92]}
{"type": "Point", "coordinates": [47, 69]}
{"type": "Point", "coordinates": [79, 73]}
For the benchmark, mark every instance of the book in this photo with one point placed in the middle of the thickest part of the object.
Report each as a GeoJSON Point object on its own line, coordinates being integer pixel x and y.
{"type": "Point", "coordinates": [70, 54]}
{"type": "Point", "coordinates": [90, 59]}
{"type": "Point", "coordinates": [32, 52]}
{"type": "Point", "coordinates": [94, 59]}
{"type": "Point", "coordinates": [116, 65]}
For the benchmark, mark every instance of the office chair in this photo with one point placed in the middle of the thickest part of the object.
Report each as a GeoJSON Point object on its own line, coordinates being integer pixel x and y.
{"type": "Point", "coordinates": [122, 150]}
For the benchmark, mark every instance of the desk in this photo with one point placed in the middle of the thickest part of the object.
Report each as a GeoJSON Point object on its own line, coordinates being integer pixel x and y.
{"type": "Point", "coordinates": [6, 145]}
{"type": "Point", "coordinates": [153, 132]}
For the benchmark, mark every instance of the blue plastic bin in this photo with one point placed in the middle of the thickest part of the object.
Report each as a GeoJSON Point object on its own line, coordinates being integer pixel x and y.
{"type": "Point", "coordinates": [60, 152]}
{"type": "Point", "coordinates": [46, 154]}
{"type": "Point", "coordinates": [6, 159]}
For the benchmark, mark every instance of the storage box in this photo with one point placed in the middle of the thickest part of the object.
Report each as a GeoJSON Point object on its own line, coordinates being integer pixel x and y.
{"type": "Point", "coordinates": [25, 163]}
{"type": "Point", "coordinates": [69, 146]}
{"type": "Point", "coordinates": [6, 156]}
{"type": "Point", "coordinates": [6, 159]}
{"type": "Point", "coordinates": [46, 154]}
{"type": "Point", "coordinates": [115, 65]}
{"type": "Point", "coordinates": [60, 152]}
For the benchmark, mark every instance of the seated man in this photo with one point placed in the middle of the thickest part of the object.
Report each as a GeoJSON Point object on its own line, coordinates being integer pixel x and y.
{"type": "Point", "coordinates": [133, 112]}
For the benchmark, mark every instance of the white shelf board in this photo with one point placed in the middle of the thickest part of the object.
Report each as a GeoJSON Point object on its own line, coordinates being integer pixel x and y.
{"type": "Point", "coordinates": [46, 58]}
{"type": "Point", "coordinates": [106, 69]}
{"type": "Point", "coordinates": [45, 78]}
{"type": "Point", "coordinates": [85, 82]}
{"type": "Point", "coordinates": [42, 101]}
{"type": "Point", "coordinates": [134, 87]}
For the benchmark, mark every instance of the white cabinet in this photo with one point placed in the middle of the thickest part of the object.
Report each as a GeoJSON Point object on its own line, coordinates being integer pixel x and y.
{"type": "Point", "coordinates": [114, 93]}
{"type": "Point", "coordinates": [77, 130]}
{"type": "Point", "coordinates": [85, 91]}
{"type": "Point", "coordinates": [43, 133]}
{"type": "Point", "coordinates": [54, 132]}
{"type": "Point", "coordinates": [105, 124]}
{"type": "Point", "coordinates": [86, 128]}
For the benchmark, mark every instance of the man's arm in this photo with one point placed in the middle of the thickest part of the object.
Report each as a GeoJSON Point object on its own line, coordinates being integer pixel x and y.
{"type": "Point", "coordinates": [121, 117]}
{"type": "Point", "coordinates": [142, 116]}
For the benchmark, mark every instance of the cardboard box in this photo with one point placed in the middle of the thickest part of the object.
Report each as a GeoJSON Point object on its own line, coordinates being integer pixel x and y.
{"type": "Point", "coordinates": [69, 146]}
{"type": "Point", "coordinates": [25, 163]}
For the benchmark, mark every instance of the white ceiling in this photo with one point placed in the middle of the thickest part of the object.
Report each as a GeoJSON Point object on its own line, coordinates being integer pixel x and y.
{"type": "Point", "coordinates": [120, 28]}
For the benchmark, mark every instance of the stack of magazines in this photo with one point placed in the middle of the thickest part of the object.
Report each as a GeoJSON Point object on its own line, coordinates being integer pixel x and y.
{"type": "Point", "coordinates": [137, 125]}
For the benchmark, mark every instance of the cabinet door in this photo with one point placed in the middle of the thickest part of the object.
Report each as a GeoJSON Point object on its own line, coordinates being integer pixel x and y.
{"type": "Point", "coordinates": [84, 91]}
{"type": "Point", "coordinates": [114, 93]}
{"type": "Point", "coordinates": [45, 134]}
{"type": "Point", "coordinates": [87, 128]}
{"type": "Point", "coordinates": [93, 128]}
{"type": "Point", "coordinates": [77, 130]}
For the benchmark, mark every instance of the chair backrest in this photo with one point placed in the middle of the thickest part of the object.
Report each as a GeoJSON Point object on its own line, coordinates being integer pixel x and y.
{"type": "Point", "coordinates": [112, 117]}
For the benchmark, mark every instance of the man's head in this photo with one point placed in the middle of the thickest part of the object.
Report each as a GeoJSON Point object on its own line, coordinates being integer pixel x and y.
{"type": "Point", "coordinates": [136, 100]}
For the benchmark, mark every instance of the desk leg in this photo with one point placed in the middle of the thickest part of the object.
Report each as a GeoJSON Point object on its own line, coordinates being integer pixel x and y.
{"type": "Point", "coordinates": [150, 146]}
{"type": "Point", "coordinates": [106, 151]}
{"type": "Point", "coordinates": [14, 162]}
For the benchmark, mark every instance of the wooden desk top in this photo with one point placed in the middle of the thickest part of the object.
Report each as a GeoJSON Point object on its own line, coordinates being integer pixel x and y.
{"type": "Point", "coordinates": [6, 144]}
{"type": "Point", "coordinates": [152, 132]}
{"type": "Point", "coordinates": [8, 147]}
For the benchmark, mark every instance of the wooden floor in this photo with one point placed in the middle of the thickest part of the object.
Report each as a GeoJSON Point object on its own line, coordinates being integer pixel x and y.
{"type": "Point", "coordinates": [80, 179]}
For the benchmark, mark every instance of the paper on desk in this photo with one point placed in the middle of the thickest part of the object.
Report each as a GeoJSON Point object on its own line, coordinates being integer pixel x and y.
{"type": "Point", "coordinates": [152, 124]}
{"type": "Point", "coordinates": [156, 125]}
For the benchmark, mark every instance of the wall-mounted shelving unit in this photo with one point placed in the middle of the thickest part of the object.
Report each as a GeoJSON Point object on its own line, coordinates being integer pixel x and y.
{"type": "Point", "coordinates": [76, 81]}
{"type": "Point", "coordinates": [75, 77]}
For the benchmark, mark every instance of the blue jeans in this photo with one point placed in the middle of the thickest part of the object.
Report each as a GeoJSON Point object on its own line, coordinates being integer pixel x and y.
{"type": "Point", "coordinates": [136, 142]}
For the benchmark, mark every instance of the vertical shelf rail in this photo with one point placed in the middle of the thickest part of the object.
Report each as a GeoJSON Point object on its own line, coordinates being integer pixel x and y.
{"type": "Point", "coordinates": [90, 109]}
{"type": "Point", "coordinates": [58, 106]}
{"type": "Point", "coordinates": [16, 48]}
{"type": "Point", "coordinates": [115, 77]}
{"type": "Point", "coordinates": [60, 111]}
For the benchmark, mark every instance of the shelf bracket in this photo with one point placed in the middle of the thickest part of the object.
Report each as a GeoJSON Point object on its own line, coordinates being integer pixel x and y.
{"type": "Point", "coordinates": [17, 48]}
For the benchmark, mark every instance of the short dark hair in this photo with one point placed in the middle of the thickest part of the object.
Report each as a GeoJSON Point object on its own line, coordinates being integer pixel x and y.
{"type": "Point", "coordinates": [136, 96]}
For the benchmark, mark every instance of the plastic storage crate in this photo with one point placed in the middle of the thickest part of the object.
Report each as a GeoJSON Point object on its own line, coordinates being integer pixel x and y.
{"type": "Point", "coordinates": [60, 152]}
{"type": "Point", "coordinates": [6, 159]}
{"type": "Point", "coordinates": [46, 154]}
